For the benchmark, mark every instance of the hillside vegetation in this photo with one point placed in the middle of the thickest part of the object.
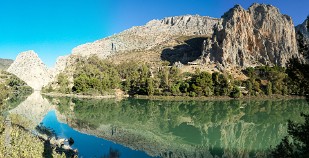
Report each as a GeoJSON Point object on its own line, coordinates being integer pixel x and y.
{"type": "Point", "coordinates": [15, 139]}
{"type": "Point", "coordinates": [5, 63]}
{"type": "Point", "coordinates": [11, 87]}
{"type": "Point", "coordinates": [94, 76]}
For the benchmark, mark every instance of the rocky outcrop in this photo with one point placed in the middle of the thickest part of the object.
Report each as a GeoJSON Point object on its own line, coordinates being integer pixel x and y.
{"type": "Point", "coordinates": [304, 29]}
{"type": "Point", "coordinates": [5, 63]}
{"type": "Point", "coordinates": [146, 37]}
{"type": "Point", "coordinates": [260, 35]}
{"type": "Point", "coordinates": [29, 67]}
{"type": "Point", "coordinates": [302, 32]}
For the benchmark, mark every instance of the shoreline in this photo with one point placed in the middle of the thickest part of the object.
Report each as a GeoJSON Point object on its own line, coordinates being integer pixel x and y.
{"type": "Point", "coordinates": [81, 96]}
{"type": "Point", "coordinates": [219, 98]}
{"type": "Point", "coordinates": [178, 98]}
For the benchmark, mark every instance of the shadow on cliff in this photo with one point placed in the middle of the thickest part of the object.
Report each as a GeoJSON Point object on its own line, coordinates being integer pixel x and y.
{"type": "Point", "coordinates": [184, 53]}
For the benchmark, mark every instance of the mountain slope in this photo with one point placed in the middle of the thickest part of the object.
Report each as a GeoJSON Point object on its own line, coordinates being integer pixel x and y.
{"type": "Point", "coordinates": [146, 37]}
{"type": "Point", "coordinates": [5, 63]}
{"type": "Point", "coordinates": [302, 32]}
{"type": "Point", "coordinates": [146, 43]}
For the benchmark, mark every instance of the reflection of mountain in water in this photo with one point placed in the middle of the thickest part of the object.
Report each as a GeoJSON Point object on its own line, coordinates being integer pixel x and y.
{"type": "Point", "coordinates": [186, 129]}
{"type": "Point", "coordinates": [34, 108]}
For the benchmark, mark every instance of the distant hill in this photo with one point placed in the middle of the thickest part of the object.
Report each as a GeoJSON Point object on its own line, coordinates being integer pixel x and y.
{"type": "Point", "coordinates": [29, 68]}
{"type": "Point", "coordinates": [5, 63]}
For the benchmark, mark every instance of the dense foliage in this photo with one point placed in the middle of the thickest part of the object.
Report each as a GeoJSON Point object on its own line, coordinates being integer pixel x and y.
{"type": "Point", "coordinates": [15, 140]}
{"type": "Point", "coordinates": [18, 142]}
{"type": "Point", "coordinates": [98, 77]}
{"type": "Point", "coordinates": [11, 87]}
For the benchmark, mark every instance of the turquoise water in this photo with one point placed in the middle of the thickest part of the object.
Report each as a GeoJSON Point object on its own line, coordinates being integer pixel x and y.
{"type": "Point", "coordinates": [89, 145]}
{"type": "Point", "coordinates": [145, 128]}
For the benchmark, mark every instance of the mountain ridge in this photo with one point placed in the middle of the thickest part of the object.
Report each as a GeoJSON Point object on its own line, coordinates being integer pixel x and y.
{"type": "Point", "coordinates": [5, 63]}
{"type": "Point", "coordinates": [241, 38]}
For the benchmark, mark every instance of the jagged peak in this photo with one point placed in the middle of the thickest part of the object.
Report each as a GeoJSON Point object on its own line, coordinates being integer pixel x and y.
{"type": "Point", "coordinates": [170, 20]}
{"type": "Point", "coordinates": [255, 5]}
{"type": "Point", "coordinates": [28, 53]}
{"type": "Point", "coordinates": [262, 8]}
{"type": "Point", "coordinates": [230, 13]}
{"type": "Point", "coordinates": [237, 7]}
{"type": "Point", "coordinates": [30, 68]}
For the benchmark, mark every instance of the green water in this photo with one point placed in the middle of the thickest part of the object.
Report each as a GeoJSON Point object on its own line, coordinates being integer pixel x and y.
{"type": "Point", "coordinates": [184, 129]}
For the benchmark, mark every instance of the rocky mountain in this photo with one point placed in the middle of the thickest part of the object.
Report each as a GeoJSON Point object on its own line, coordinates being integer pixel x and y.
{"type": "Point", "coordinates": [29, 67]}
{"type": "Point", "coordinates": [149, 41]}
{"type": "Point", "coordinates": [304, 29]}
{"type": "Point", "coordinates": [147, 37]}
{"type": "Point", "coordinates": [5, 63]}
{"type": "Point", "coordinates": [302, 32]}
{"type": "Point", "coordinates": [260, 35]}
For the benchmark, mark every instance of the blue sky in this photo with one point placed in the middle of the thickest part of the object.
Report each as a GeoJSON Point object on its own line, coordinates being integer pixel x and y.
{"type": "Point", "coordinates": [53, 27]}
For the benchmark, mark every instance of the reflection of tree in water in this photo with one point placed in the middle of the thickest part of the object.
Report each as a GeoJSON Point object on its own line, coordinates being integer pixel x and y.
{"type": "Point", "coordinates": [45, 130]}
{"type": "Point", "coordinates": [230, 127]}
{"type": "Point", "coordinates": [113, 153]}
{"type": "Point", "coordinates": [15, 100]}
{"type": "Point", "coordinates": [296, 143]}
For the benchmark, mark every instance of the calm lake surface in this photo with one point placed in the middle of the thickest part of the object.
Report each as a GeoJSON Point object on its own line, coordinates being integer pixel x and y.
{"type": "Point", "coordinates": [143, 128]}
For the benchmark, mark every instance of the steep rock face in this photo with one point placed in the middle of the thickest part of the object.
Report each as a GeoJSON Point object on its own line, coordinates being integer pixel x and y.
{"type": "Point", "coordinates": [304, 29]}
{"type": "Point", "coordinates": [61, 64]}
{"type": "Point", "coordinates": [29, 67]}
{"type": "Point", "coordinates": [302, 32]}
{"type": "Point", "coordinates": [260, 35]}
{"type": "Point", "coordinates": [146, 37]}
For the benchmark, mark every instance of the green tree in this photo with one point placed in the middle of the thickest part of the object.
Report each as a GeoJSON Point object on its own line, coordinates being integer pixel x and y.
{"type": "Point", "coordinates": [150, 87]}
{"type": "Point", "coordinates": [269, 88]}
{"type": "Point", "coordinates": [204, 81]}
{"type": "Point", "coordinates": [4, 93]}
{"type": "Point", "coordinates": [249, 87]}
{"type": "Point", "coordinates": [236, 93]}
{"type": "Point", "coordinates": [63, 83]}
{"type": "Point", "coordinates": [81, 83]}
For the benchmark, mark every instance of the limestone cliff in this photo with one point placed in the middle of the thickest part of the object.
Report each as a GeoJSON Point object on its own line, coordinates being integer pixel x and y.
{"type": "Point", "coordinates": [260, 35]}
{"type": "Point", "coordinates": [29, 67]}
{"type": "Point", "coordinates": [146, 37]}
